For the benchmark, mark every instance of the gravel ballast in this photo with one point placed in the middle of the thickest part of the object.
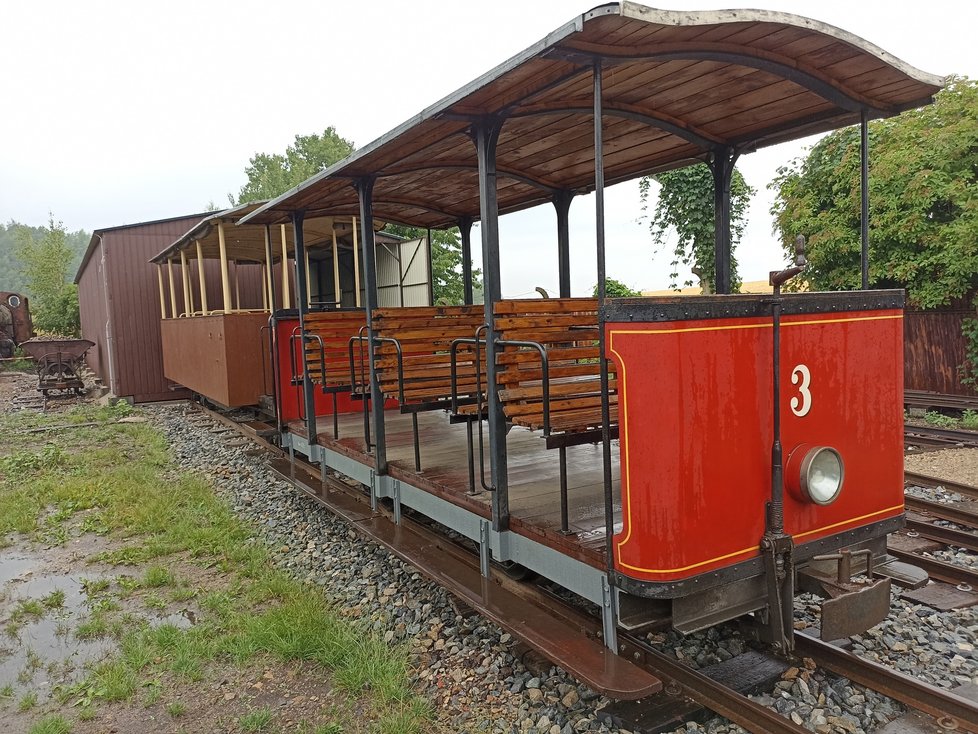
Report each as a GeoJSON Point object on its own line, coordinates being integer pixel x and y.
{"type": "Point", "coordinates": [472, 671]}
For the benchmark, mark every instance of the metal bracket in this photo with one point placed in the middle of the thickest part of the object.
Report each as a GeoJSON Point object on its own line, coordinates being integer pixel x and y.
{"type": "Point", "coordinates": [780, 591]}
{"type": "Point", "coordinates": [373, 490]}
{"type": "Point", "coordinates": [609, 617]}
{"type": "Point", "coordinates": [396, 490]}
{"type": "Point", "coordinates": [484, 551]}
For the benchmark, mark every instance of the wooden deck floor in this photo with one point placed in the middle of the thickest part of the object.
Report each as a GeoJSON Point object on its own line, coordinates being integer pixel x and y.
{"type": "Point", "coordinates": [534, 494]}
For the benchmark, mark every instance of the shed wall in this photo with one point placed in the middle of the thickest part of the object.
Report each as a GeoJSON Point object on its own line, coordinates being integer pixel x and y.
{"type": "Point", "coordinates": [934, 348]}
{"type": "Point", "coordinates": [120, 305]}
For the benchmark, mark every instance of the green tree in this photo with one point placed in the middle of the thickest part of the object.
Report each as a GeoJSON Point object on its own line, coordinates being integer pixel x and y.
{"type": "Point", "coordinates": [11, 276]}
{"type": "Point", "coordinates": [272, 174]}
{"type": "Point", "coordinates": [685, 205]}
{"type": "Point", "coordinates": [616, 289]}
{"type": "Point", "coordinates": [446, 262]}
{"type": "Point", "coordinates": [46, 262]}
{"type": "Point", "coordinates": [923, 202]}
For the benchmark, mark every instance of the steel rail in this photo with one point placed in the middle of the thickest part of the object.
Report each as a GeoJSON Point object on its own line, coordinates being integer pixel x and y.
{"type": "Point", "coordinates": [949, 573]}
{"type": "Point", "coordinates": [924, 480]}
{"type": "Point", "coordinates": [949, 435]}
{"type": "Point", "coordinates": [943, 510]}
{"type": "Point", "coordinates": [948, 536]}
{"type": "Point", "coordinates": [910, 691]}
{"type": "Point", "coordinates": [738, 708]}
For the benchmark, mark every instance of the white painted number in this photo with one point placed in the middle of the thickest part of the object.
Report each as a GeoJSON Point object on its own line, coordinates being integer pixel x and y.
{"type": "Point", "coordinates": [800, 407]}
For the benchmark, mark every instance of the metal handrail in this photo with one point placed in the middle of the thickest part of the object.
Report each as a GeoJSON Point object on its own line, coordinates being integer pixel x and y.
{"type": "Point", "coordinates": [453, 352]}
{"type": "Point", "coordinates": [294, 367]}
{"type": "Point", "coordinates": [400, 365]}
{"type": "Point", "coordinates": [545, 370]}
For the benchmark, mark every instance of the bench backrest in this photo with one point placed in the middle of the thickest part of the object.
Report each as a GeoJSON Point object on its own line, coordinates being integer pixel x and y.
{"type": "Point", "coordinates": [567, 328]}
{"type": "Point", "coordinates": [425, 335]}
{"type": "Point", "coordinates": [335, 328]}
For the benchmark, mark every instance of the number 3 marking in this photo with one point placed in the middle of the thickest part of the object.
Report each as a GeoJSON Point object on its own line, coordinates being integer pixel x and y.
{"type": "Point", "coordinates": [802, 406]}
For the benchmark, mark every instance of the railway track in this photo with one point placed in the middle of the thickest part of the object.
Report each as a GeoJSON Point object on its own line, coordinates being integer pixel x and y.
{"type": "Point", "coordinates": [931, 436]}
{"type": "Point", "coordinates": [680, 681]}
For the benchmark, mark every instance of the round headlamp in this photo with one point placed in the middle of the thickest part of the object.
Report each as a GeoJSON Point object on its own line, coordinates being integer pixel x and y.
{"type": "Point", "coordinates": [821, 475]}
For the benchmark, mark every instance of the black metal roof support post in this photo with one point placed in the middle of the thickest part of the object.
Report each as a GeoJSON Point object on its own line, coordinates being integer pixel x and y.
{"type": "Point", "coordinates": [465, 230]}
{"type": "Point", "coordinates": [302, 302]}
{"type": "Point", "coordinates": [864, 194]}
{"type": "Point", "coordinates": [562, 201]}
{"type": "Point", "coordinates": [365, 192]}
{"type": "Point", "coordinates": [722, 166]}
{"type": "Point", "coordinates": [486, 136]}
{"type": "Point", "coordinates": [609, 613]}
{"type": "Point", "coordinates": [609, 500]}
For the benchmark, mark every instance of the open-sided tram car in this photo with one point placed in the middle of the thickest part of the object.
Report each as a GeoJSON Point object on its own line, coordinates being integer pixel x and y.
{"type": "Point", "coordinates": [695, 459]}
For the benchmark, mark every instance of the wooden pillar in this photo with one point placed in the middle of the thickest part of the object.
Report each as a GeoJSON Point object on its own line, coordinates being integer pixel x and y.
{"type": "Point", "coordinates": [188, 305]}
{"type": "Point", "coordinates": [225, 280]}
{"type": "Point", "coordinates": [267, 273]}
{"type": "Point", "coordinates": [337, 291]}
{"type": "Point", "coordinates": [173, 288]}
{"type": "Point", "coordinates": [308, 282]}
{"type": "Point", "coordinates": [356, 264]}
{"type": "Point", "coordinates": [237, 286]}
{"type": "Point", "coordinates": [159, 276]}
{"type": "Point", "coordinates": [201, 279]}
{"type": "Point", "coordinates": [264, 290]}
{"type": "Point", "coordinates": [286, 292]}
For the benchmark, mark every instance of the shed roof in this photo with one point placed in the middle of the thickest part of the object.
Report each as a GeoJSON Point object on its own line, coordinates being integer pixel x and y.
{"type": "Point", "coordinates": [677, 85]}
{"type": "Point", "coordinates": [99, 233]}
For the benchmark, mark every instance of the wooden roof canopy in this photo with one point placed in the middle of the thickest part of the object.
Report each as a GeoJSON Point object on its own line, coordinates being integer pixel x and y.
{"type": "Point", "coordinates": [677, 86]}
{"type": "Point", "coordinates": [246, 244]}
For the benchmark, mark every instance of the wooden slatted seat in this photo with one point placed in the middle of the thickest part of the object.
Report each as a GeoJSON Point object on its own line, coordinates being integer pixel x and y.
{"type": "Point", "coordinates": [560, 396]}
{"type": "Point", "coordinates": [567, 330]}
{"type": "Point", "coordinates": [329, 364]}
{"type": "Point", "coordinates": [412, 357]}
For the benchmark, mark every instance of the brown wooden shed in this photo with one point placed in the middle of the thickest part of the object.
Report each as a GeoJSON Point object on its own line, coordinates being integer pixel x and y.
{"type": "Point", "coordinates": [120, 309]}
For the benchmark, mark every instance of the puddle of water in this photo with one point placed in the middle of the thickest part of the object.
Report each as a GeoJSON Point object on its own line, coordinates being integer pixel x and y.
{"type": "Point", "coordinates": [44, 651]}
{"type": "Point", "coordinates": [184, 619]}
{"type": "Point", "coordinates": [14, 564]}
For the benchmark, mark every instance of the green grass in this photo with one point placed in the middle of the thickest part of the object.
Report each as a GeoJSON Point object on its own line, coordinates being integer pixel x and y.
{"type": "Point", "coordinates": [932, 417]}
{"type": "Point", "coordinates": [176, 709]}
{"type": "Point", "coordinates": [256, 720]}
{"type": "Point", "coordinates": [157, 576]}
{"type": "Point", "coordinates": [27, 701]}
{"type": "Point", "coordinates": [969, 419]}
{"type": "Point", "coordinates": [7, 691]}
{"type": "Point", "coordinates": [52, 724]}
{"type": "Point", "coordinates": [122, 475]}
{"type": "Point", "coordinates": [54, 600]}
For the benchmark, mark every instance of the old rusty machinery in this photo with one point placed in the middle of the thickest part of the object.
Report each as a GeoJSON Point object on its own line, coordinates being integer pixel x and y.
{"type": "Point", "coordinates": [57, 361]}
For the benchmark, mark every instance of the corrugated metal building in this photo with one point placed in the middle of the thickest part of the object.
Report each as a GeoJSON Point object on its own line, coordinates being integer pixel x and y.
{"type": "Point", "coordinates": [120, 306]}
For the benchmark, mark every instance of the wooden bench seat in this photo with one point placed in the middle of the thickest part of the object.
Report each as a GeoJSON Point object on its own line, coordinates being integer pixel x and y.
{"type": "Point", "coordinates": [413, 358]}
{"type": "Point", "coordinates": [566, 329]}
{"type": "Point", "coordinates": [562, 395]}
{"type": "Point", "coordinates": [328, 363]}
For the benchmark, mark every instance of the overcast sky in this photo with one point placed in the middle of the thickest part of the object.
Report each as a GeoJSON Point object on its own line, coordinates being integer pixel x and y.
{"type": "Point", "coordinates": [121, 112]}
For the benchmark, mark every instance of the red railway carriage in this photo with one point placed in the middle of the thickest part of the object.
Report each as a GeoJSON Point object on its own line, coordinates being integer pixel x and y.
{"type": "Point", "coordinates": [696, 430]}
{"type": "Point", "coordinates": [759, 438]}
